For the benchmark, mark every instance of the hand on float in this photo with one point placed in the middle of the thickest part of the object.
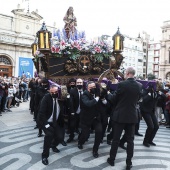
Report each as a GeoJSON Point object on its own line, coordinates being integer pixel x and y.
{"type": "Point", "coordinates": [149, 94]}
{"type": "Point", "coordinates": [104, 101]}
{"type": "Point", "coordinates": [97, 98]}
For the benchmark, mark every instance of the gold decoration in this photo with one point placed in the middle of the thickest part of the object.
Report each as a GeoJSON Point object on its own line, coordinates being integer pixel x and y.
{"type": "Point", "coordinates": [84, 64]}
{"type": "Point", "coordinates": [41, 40]}
{"type": "Point", "coordinates": [112, 73]}
{"type": "Point", "coordinates": [117, 43]}
{"type": "Point", "coordinates": [70, 66]}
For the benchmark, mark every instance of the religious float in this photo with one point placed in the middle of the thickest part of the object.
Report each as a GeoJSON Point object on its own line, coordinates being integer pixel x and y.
{"type": "Point", "coordinates": [67, 54]}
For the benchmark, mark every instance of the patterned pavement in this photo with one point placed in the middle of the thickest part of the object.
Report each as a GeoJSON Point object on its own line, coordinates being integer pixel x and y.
{"type": "Point", "coordinates": [20, 149]}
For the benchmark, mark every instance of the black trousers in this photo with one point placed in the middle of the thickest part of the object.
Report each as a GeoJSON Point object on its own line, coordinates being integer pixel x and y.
{"type": "Point", "coordinates": [104, 121]}
{"type": "Point", "coordinates": [74, 124]}
{"type": "Point", "coordinates": [85, 132]}
{"type": "Point", "coordinates": [129, 133]}
{"type": "Point", "coordinates": [32, 102]}
{"type": "Point", "coordinates": [152, 126]}
{"type": "Point", "coordinates": [138, 124]}
{"type": "Point", "coordinates": [52, 134]}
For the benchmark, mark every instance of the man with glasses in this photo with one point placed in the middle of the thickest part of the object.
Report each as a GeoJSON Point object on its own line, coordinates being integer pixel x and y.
{"type": "Point", "coordinates": [50, 119]}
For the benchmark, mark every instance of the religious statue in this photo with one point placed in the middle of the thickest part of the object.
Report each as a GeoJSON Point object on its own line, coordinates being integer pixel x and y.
{"type": "Point", "coordinates": [70, 22]}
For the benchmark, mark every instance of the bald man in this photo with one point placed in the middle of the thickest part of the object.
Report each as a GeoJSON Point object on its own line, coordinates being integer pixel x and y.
{"type": "Point", "coordinates": [125, 115]}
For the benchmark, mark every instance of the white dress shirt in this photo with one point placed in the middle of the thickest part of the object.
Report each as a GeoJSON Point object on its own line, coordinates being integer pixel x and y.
{"type": "Point", "coordinates": [58, 111]}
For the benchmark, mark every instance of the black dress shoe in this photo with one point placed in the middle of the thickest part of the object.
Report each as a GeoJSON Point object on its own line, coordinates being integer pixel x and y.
{"type": "Point", "coordinates": [64, 143]}
{"type": "Point", "coordinates": [45, 161]}
{"type": "Point", "coordinates": [80, 146]}
{"type": "Point", "coordinates": [77, 131]}
{"type": "Point", "coordinates": [95, 154]}
{"type": "Point", "coordinates": [56, 150]}
{"type": "Point", "coordinates": [122, 146]}
{"type": "Point", "coordinates": [146, 144]}
{"type": "Point", "coordinates": [138, 134]}
{"type": "Point", "coordinates": [152, 143]}
{"type": "Point", "coordinates": [40, 134]}
{"type": "Point", "coordinates": [128, 167]}
{"type": "Point", "coordinates": [110, 162]}
{"type": "Point", "coordinates": [69, 140]}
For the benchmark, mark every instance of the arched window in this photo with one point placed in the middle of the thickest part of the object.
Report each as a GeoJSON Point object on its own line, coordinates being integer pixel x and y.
{"type": "Point", "coordinates": [168, 76]}
{"type": "Point", "coordinates": [5, 60]}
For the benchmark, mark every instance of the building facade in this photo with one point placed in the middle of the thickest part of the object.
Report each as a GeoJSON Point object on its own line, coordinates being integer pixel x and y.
{"type": "Point", "coordinates": [17, 33]}
{"type": "Point", "coordinates": [133, 54]}
{"type": "Point", "coordinates": [154, 58]}
{"type": "Point", "coordinates": [164, 66]}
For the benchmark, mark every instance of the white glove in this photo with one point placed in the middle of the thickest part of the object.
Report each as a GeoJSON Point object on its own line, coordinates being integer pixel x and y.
{"type": "Point", "coordinates": [149, 94]}
{"type": "Point", "coordinates": [104, 101]}
{"type": "Point", "coordinates": [97, 98]}
{"type": "Point", "coordinates": [72, 113]}
{"type": "Point", "coordinates": [160, 93]}
{"type": "Point", "coordinates": [47, 126]}
{"type": "Point", "coordinates": [108, 92]}
{"type": "Point", "coordinates": [68, 96]}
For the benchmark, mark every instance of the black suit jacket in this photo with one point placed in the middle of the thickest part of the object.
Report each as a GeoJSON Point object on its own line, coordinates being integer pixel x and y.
{"type": "Point", "coordinates": [148, 103]}
{"type": "Point", "coordinates": [46, 109]}
{"type": "Point", "coordinates": [127, 95]}
{"type": "Point", "coordinates": [74, 100]}
{"type": "Point", "coordinates": [89, 109]}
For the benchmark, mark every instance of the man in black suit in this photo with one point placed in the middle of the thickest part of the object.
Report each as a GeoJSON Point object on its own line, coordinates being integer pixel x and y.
{"type": "Point", "coordinates": [41, 91]}
{"type": "Point", "coordinates": [147, 106]}
{"type": "Point", "coordinates": [50, 119]}
{"type": "Point", "coordinates": [75, 107]}
{"type": "Point", "coordinates": [90, 116]}
{"type": "Point", "coordinates": [125, 115]}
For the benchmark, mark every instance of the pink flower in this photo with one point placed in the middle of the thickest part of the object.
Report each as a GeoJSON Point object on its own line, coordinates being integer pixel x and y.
{"type": "Point", "coordinates": [53, 49]}
{"type": "Point", "coordinates": [97, 49]}
{"type": "Point", "coordinates": [57, 49]}
{"type": "Point", "coordinates": [74, 44]}
{"type": "Point", "coordinates": [78, 47]}
{"type": "Point", "coordinates": [37, 52]}
{"type": "Point", "coordinates": [62, 43]}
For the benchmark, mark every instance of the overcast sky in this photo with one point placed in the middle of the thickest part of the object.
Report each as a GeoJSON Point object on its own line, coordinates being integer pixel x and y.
{"type": "Point", "coordinates": [98, 17]}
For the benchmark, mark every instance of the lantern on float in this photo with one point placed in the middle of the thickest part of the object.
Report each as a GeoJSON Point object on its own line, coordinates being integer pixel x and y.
{"type": "Point", "coordinates": [34, 47]}
{"type": "Point", "coordinates": [44, 36]}
{"type": "Point", "coordinates": [118, 39]}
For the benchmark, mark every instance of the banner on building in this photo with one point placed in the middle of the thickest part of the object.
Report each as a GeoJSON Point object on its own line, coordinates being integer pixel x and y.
{"type": "Point", "coordinates": [25, 67]}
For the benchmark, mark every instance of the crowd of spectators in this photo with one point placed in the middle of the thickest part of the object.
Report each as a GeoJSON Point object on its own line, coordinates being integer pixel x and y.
{"type": "Point", "coordinates": [13, 91]}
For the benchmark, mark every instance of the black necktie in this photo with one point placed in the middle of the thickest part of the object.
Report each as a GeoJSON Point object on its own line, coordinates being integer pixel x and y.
{"type": "Point", "coordinates": [54, 113]}
{"type": "Point", "coordinates": [79, 97]}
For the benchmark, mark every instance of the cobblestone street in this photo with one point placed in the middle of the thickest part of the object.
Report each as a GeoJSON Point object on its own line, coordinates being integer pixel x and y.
{"type": "Point", "coordinates": [20, 148]}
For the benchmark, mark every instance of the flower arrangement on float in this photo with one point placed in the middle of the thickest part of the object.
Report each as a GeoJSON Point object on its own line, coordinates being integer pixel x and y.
{"type": "Point", "coordinates": [74, 48]}
{"type": "Point", "coordinates": [77, 45]}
